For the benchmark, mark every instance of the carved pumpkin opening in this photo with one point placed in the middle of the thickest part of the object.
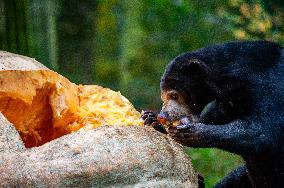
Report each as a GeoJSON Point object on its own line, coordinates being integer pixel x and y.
{"type": "Point", "coordinates": [43, 105]}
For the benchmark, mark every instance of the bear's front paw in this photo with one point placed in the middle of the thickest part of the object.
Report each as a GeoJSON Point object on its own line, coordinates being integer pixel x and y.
{"type": "Point", "coordinates": [185, 133]}
{"type": "Point", "coordinates": [150, 119]}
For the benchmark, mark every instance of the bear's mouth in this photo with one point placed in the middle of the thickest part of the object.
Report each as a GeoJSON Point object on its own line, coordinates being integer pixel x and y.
{"type": "Point", "coordinates": [172, 121]}
{"type": "Point", "coordinates": [178, 120]}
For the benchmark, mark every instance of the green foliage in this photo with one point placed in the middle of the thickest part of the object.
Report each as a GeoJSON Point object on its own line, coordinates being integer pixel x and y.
{"type": "Point", "coordinates": [213, 163]}
{"type": "Point", "coordinates": [254, 19]}
{"type": "Point", "coordinates": [126, 45]}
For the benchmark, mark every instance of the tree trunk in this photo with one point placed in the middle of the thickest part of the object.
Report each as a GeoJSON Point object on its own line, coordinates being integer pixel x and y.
{"type": "Point", "coordinates": [16, 29]}
{"type": "Point", "coordinates": [76, 23]}
{"type": "Point", "coordinates": [42, 31]}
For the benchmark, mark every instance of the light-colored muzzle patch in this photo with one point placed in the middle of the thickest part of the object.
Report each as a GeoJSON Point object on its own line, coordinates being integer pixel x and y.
{"type": "Point", "coordinates": [175, 106]}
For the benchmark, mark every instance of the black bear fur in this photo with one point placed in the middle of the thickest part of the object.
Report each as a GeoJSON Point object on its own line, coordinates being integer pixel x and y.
{"type": "Point", "coordinates": [235, 91]}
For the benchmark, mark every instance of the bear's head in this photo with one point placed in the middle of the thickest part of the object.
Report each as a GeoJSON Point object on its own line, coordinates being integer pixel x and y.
{"type": "Point", "coordinates": [203, 91]}
{"type": "Point", "coordinates": [186, 88]}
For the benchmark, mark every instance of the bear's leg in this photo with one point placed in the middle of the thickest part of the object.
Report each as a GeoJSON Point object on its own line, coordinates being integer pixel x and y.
{"type": "Point", "coordinates": [240, 137]}
{"type": "Point", "coordinates": [238, 178]}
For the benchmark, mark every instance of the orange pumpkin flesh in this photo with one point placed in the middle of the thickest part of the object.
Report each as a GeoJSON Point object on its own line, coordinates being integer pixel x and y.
{"type": "Point", "coordinates": [44, 105]}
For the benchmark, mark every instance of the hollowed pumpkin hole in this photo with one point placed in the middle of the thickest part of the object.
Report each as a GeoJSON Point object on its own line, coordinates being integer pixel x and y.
{"type": "Point", "coordinates": [44, 105]}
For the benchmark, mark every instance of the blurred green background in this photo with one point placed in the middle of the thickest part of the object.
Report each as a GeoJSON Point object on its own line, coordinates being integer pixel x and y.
{"type": "Point", "coordinates": [126, 44]}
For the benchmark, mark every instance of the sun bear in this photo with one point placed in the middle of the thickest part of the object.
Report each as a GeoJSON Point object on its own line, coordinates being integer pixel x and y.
{"type": "Point", "coordinates": [230, 96]}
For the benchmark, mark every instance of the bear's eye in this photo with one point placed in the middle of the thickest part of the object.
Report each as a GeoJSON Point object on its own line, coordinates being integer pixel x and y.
{"type": "Point", "coordinates": [173, 95]}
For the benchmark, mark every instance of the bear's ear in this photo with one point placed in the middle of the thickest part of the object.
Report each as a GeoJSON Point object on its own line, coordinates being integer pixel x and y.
{"type": "Point", "coordinates": [194, 67]}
